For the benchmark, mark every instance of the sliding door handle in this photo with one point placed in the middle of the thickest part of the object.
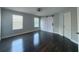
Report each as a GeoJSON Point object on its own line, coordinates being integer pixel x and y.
{"type": "Point", "coordinates": [77, 33]}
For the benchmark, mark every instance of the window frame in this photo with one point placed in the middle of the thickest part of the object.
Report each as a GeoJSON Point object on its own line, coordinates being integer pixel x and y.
{"type": "Point", "coordinates": [13, 24]}
{"type": "Point", "coordinates": [38, 22]}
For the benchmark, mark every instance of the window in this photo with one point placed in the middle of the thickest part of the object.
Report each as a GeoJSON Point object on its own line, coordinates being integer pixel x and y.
{"type": "Point", "coordinates": [17, 22]}
{"type": "Point", "coordinates": [36, 22]}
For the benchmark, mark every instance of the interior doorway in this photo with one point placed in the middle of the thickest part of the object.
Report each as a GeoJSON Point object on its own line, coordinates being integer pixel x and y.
{"type": "Point", "coordinates": [67, 25]}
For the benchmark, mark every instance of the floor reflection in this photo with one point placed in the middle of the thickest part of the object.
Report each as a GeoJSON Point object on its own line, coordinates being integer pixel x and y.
{"type": "Point", "coordinates": [17, 45]}
{"type": "Point", "coordinates": [40, 41]}
{"type": "Point", "coordinates": [36, 39]}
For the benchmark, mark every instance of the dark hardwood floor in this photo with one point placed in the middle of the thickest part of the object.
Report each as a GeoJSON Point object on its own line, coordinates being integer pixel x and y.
{"type": "Point", "coordinates": [39, 41]}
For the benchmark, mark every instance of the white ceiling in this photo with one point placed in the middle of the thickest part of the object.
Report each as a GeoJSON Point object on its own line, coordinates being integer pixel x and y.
{"type": "Point", "coordinates": [33, 10]}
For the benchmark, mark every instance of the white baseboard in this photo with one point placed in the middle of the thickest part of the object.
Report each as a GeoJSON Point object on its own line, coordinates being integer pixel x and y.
{"type": "Point", "coordinates": [29, 32]}
{"type": "Point", "coordinates": [18, 34]}
{"type": "Point", "coordinates": [75, 41]}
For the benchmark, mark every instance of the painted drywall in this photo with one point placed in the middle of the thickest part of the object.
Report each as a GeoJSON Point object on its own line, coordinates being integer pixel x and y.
{"type": "Point", "coordinates": [74, 25]}
{"type": "Point", "coordinates": [67, 25]}
{"type": "Point", "coordinates": [78, 25]}
{"type": "Point", "coordinates": [28, 23]}
{"type": "Point", "coordinates": [56, 23]}
{"type": "Point", "coordinates": [0, 23]}
{"type": "Point", "coordinates": [59, 20]}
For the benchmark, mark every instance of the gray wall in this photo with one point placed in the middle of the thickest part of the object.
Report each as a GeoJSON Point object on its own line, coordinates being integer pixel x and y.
{"type": "Point", "coordinates": [78, 25]}
{"type": "Point", "coordinates": [28, 23]}
{"type": "Point", "coordinates": [61, 22]}
{"type": "Point", "coordinates": [0, 23]}
{"type": "Point", "coordinates": [58, 23]}
{"type": "Point", "coordinates": [74, 25]}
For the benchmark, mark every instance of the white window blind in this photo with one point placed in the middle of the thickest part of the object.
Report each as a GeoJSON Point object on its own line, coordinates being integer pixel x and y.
{"type": "Point", "coordinates": [17, 22]}
{"type": "Point", "coordinates": [36, 22]}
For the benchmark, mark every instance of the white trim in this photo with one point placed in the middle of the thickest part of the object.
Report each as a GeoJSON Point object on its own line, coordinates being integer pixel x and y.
{"type": "Point", "coordinates": [29, 32]}
{"type": "Point", "coordinates": [18, 34]}
{"type": "Point", "coordinates": [71, 40]}
{"type": "Point", "coordinates": [75, 41]}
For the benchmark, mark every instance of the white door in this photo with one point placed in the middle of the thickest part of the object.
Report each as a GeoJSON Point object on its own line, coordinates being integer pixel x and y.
{"type": "Point", "coordinates": [67, 25]}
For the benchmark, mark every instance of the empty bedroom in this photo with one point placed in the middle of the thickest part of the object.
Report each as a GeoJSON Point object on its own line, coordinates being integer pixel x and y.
{"type": "Point", "coordinates": [39, 29]}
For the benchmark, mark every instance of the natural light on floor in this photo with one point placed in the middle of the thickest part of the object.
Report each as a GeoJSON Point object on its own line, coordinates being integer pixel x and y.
{"type": "Point", "coordinates": [36, 39]}
{"type": "Point", "coordinates": [17, 45]}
